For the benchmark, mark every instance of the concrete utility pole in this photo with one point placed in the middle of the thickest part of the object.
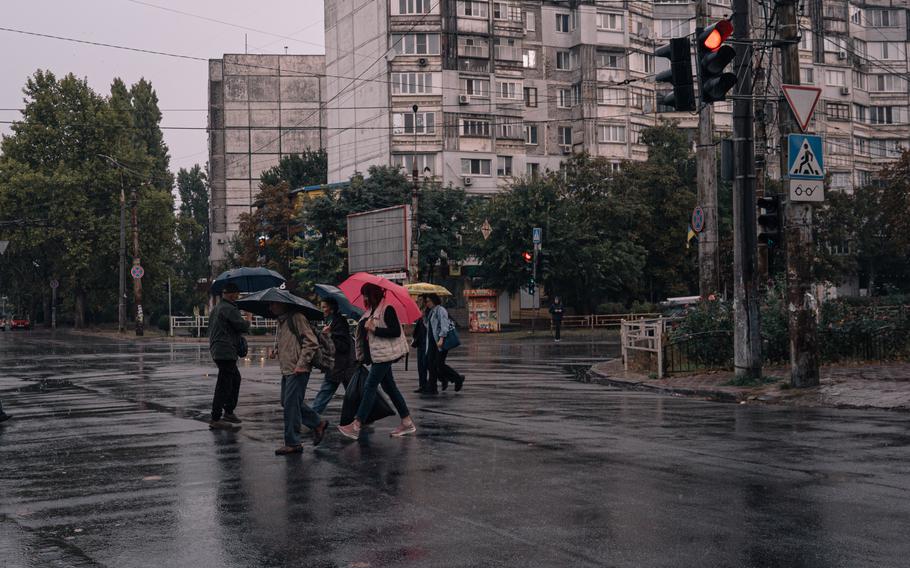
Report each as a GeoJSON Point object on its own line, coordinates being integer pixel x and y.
{"type": "Point", "coordinates": [121, 303]}
{"type": "Point", "coordinates": [797, 222]}
{"type": "Point", "coordinates": [137, 282]}
{"type": "Point", "coordinates": [413, 265]}
{"type": "Point", "coordinates": [706, 160]}
{"type": "Point", "coordinates": [761, 145]}
{"type": "Point", "coordinates": [746, 336]}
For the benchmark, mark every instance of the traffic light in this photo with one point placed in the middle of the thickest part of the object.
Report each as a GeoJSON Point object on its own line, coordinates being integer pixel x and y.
{"type": "Point", "coordinates": [679, 52]}
{"type": "Point", "coordinates": [532, 286]}
{"type": "Point", "coordinates": [769, 220]}
{"type": "Point", "coordinates": [713, 58]}
{"type": "Point", "coordinates": [527, 257]}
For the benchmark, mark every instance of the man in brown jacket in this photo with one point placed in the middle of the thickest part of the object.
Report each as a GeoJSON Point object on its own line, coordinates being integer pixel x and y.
{"type": "Point", "coordinates": [297, 344]}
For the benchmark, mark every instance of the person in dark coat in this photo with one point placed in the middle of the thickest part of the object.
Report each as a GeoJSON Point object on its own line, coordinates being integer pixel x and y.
{"type": "Point", "coordinates": [225, 328]}
{"type": "Point", "coordinates": [556, 311]}
{"type": "Point", "coordinates": [345, 361]}
{"type": "Point", "coordinates": [3, 416]}
{"type": "Point", "coordinates": [419, 342]}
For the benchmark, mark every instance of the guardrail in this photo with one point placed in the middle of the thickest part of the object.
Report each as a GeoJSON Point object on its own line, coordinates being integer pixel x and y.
{"type": "Point", "coordinates": [602, 320]}
{"type": "Point", "coordinates": [200, 323]}
{"type": "Point", "coordinates": [643, 335]}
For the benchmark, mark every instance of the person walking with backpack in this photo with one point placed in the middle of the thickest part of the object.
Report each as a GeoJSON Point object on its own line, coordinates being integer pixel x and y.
{"type": "Point", "coordinates": [440, 326]}
{"type": "Point", "coordinates": [344, 363]}
{"type": "Point", "coordinates": [380, 342]}
{"type": "Point", "coordinates": [226, 327]}
{"type": "Point", "coordinates": [419, 342]}
{"type": "Point", "coordinates": [297, 346]}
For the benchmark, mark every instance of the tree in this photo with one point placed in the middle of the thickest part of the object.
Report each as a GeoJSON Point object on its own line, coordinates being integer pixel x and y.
{"type": "Point", "coordinates": [299, 170]}
{"type": "Point", "coordinates": [272, 219]}
{"type": "Point", "coordinates": [192, 234]}
{"type": "Point", "coordinates": [442, 219]}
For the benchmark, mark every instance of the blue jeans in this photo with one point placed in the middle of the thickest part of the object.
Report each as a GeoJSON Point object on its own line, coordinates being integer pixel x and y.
{"type": "Point", "coordinates": [324, 396]}
{"type": "Point", "coordinates": [293, 389]}
{"type": "Point", "coordinates": [381, 373]}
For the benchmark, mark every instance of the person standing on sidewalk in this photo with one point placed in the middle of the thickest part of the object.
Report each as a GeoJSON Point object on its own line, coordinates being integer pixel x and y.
{"type": "Point", "coordinates": [3, 416]}
{"type": "Point", "coordinates": [556, 311]}
{"type": "Point", "coordinates": [297, 345]}
{"type": "Point", "coordinates": [345, 362]}
{"type": "Point", "coordinates": [439, 324]}
{"type": "Point", "coordinates": [380, 342]}
{"type": "Point", "coordinates": [226, 327]}
{"type": "Point", "coordinates": [419, 342]}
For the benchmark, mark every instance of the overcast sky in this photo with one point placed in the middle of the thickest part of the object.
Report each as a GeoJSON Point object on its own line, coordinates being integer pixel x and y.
{"type": "Point", "coordinates": [180, 83]}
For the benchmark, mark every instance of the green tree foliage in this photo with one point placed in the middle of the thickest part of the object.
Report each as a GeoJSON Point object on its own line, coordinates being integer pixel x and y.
{"type": "Point", "coordinates": [442, 218]}
{"type": "Point", "coordinates": [298, 170]}
{"type": "Point", "coordinates": [273, 218]}
{"type": "Point", "coordinates": [193, 237]}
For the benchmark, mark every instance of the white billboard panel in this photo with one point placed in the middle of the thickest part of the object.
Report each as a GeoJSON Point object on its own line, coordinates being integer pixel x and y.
{"type": "Point", "coordinates": [380, 240]}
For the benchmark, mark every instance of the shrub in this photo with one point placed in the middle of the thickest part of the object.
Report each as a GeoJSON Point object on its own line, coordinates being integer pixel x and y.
{"type": "Point", "coordinates": [258, 331]}
{"type": "Point", "coordinates": [164, 322]}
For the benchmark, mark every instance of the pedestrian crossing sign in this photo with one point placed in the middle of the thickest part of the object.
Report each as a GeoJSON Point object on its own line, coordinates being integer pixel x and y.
{"type": "Point", "coordinates": [806, 160]}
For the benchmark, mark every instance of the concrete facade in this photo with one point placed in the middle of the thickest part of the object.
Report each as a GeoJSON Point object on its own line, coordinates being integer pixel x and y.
{"type": "Point", "coordinates": [261, 107]}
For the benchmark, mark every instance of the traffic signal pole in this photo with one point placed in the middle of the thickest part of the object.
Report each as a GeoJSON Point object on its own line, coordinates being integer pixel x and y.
{"type": "Point", "coordinates": [706, 165]}
{"type": "Point", "coordinates": [746, 336]}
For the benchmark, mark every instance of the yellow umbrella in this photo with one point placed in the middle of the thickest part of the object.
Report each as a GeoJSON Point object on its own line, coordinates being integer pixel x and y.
{"type": "Point", "coordinates": [419, 288]}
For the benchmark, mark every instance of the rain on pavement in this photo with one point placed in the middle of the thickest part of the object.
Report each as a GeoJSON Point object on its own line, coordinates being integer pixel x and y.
{"type": "Point", "coordinates": [108, 461]}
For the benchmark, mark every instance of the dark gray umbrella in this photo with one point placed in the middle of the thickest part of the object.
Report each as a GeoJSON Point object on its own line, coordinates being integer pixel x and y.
{"type": "Point", "coordinates": [247, 279]}
{"type": "Point", "coordinates": [258, 303]}
{"type": "Point", "coordinates": [345, 307]}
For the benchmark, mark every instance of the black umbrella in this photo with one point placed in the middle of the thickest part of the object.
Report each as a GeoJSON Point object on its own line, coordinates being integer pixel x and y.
{"type": "Point", "coordinates": [247, 279]}
{"type": "Point", "coordinates": [345, 307]}
{"type": "Point", "coordinates": [258, 303]}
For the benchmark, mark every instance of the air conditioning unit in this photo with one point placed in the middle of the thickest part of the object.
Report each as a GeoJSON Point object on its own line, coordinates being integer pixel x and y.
{"type": "Point", "coordinates": [566, 149]}
{"type": "Point", "coordinates": [423, 62]}
{"type": "Point", "coordinates": [463, 99]}
{"type": "Point", "coordinates": [842, 55]}
{"type": "Point", "coordinates": [467, 181]}
{"type": "Point", "coordinates": [845, 90]}
{"type": "Point", "coordinates": [220, 241]}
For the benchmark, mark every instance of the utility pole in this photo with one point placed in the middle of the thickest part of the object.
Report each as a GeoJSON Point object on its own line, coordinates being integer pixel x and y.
{"type": "Point", "coordinates": [413, 265]}
{"type": "Point", "coordinates": [137, 282]}
{"type": "Point", "coordinates": [797, 223]}
{"type": "Point", "coordinates": [121, 303]}
{"type": "Point", "coordinates": [746, 336]}
{"type": "Point", "coordinates": [706, 160]}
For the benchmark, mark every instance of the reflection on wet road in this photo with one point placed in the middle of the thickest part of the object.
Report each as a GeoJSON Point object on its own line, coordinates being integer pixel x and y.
{"type": "Point", "coordinates": [109, 462]}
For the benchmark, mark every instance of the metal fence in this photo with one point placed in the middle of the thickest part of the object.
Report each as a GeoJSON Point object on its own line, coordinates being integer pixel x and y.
{"type": "Point", "coordinates": [643, 336]}
{"type": "Point", "coordinates": [200, 324]}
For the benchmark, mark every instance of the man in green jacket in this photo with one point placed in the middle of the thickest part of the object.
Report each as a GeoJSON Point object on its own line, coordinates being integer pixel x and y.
{"type": "Point", "coordinates": [225, 328]}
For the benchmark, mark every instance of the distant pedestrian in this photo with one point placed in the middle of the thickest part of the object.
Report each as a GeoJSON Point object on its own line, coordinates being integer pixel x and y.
{"type": "Point", "coordinates": [380, 342]}
{"type": "Point", "coordinates": [556, 311]}
{"type": "Point", "coordinates": [297, 345]}
{"type": "Point", "coordinates": [419, 341]}
{"type": "Point", "coordinates": [439, 324]}
{"type": "Point", "coordinates": [345, 361]}
{"type": "Point", "coordinates": [226, 327]}
{"type": "Point", "coordinates": [3, 416]}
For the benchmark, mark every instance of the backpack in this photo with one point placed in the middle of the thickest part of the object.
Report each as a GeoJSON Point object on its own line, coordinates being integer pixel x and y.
{"type": "Point", "coordinates": [324, 358]}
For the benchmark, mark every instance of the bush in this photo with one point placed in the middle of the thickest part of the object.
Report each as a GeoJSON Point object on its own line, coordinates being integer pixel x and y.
{"type": "Point", "coordinates": [775, 326]}
{"type": "Point", "coordinates": [258, 331]}
{"type": "Point", "coordinates": [164, 322]}
{"type": "Point", "coordinates": [612, 308]}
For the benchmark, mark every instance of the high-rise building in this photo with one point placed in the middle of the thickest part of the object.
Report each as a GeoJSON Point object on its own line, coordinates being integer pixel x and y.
{"type": "Point", "coordinates": [261, 107]}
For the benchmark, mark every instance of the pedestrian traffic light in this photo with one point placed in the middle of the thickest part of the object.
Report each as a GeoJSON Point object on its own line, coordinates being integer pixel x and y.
{"type": "Point", "coordinates": [679, 52]}
{"type": "Point", "coordinates": [532, 286]}
{"type": "Point", "coordinates": [713, 58]}
{"type": "Point", "coordinates": [769, 220]}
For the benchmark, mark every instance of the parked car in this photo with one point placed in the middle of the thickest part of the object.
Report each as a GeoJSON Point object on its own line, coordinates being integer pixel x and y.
{"type": "Point", "coordinates": [4, 320]}
{"type": "Point", "coordinates": [20, 322]}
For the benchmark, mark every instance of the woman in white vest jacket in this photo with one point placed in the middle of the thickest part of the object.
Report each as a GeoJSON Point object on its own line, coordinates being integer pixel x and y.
{"type": "Point", "coordinates": [380, 342]}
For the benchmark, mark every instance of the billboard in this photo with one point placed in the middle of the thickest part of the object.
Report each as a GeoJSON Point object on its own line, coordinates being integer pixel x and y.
{"type": "Point", "coordinates": [379, 240]}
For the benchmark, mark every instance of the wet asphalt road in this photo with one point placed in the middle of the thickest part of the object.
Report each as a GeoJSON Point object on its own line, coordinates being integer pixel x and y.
{"type": "Point", "coordinates": [108, 462]}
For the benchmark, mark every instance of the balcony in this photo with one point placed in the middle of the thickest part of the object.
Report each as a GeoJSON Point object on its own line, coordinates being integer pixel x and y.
{"type": "Point", "coordinates": [507, 53]}
{"type": "Point", "coordinates": [480, 51]}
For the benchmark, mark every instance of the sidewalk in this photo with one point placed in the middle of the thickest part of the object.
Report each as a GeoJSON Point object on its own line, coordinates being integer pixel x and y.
{"type": "Point", "coordinates": [882, 385]}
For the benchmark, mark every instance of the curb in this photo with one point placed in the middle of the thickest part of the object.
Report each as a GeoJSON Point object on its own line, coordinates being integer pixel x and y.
{"type": "Point", "coordinates": [599, 375]}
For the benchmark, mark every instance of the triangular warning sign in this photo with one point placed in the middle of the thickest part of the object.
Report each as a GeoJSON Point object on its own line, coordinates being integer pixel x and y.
{"type": "Point", "coordinates": [806, 163]}
{"type": "Point", "coordinates": [802, 102]}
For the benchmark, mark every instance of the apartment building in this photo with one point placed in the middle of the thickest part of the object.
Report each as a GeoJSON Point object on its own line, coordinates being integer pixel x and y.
{"type": "Point", "coordinates": [511, 88]}
{"type": "Point", "coordinates": [261, 107]}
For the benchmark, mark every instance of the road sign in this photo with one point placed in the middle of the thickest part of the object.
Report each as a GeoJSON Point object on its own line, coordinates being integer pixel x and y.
{"type": "Point", "coordinates": [806, 160]}
{"type": "Point", "coordinates": [137, 272]}
{"type": "Point", "coordinates": [536, 235]}
{"type": "Point", "coordinates": [486, 229]}
{"type": "Point", "coordinates": [807, 190]}
{"type": "Point", "coordinates": [802, 102]}
{"type": "Point", "coordinates": [698, 219]}
{"type": "Point", "coordinates": [54, 284]}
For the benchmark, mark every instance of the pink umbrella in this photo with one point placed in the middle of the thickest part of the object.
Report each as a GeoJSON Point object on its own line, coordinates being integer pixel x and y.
{"type": "Point", "coordinates": [396, 296]}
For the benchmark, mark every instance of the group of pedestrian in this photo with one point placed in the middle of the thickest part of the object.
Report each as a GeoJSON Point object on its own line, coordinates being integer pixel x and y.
{"type": "Point", "coordinates": [430, 334]}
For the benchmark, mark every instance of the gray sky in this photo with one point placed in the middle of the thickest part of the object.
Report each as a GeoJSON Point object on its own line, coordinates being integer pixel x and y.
{"type": "Point", "coordinates": [180, 83]}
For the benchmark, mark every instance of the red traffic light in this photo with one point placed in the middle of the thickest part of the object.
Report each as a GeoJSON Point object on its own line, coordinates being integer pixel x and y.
{"type": "Point", "coordinates": [528, 257]}
{"type": "Point", "coordinates": [713, 37]}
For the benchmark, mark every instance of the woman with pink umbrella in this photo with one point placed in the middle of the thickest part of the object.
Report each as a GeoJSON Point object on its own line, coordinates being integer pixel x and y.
{"type": "Point", "coordinates": [380, 342]}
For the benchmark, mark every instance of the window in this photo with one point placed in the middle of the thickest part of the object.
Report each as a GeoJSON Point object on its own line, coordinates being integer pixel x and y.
{"type": "Point", "coordinates": [563, 23]}
{"type": "Point", "coordinates": [638, 98]}
{"type": "Point", "coordinates": [475, 127]}
{"type": "Point", "coordinates": [565, 60]}
{"type": "Point", "coordinates": [508, 49]}
{"type": "Point", "coordinates": [608, 60]}
{"type": "Point", "coordinates": [475, 167]}
{"type": "Point", "coordinates": [473, 8]}
{"type": "Point", "coordinates": [531, 134]}
{"type": "Point", "coordinates": [837, 111]}
{"type": "Point", "coordinates": [642, 62]}
{"type": "Point", "coordinates": [859, 113]}
{"type": "Point", "coordinates": [533, 169]}
{"type": "Point", "coordinates": [837, 145]}
{"type": "Point", "coordinates": [807, 76]}
{"type": "Point", "coordinates": [475, 87]}
{"type": "Point", "coordinates": [856, 15]}
{"type": "Point", "coordinates": [406, 7]}
{"type": "Point", "coordinates": [530, 21]}
{"type": "Point", "coordinates": [531, 96]}
{"type": "Point", "coordinates": [529, 58]}
{"type": "Point", "coordinates": [888, 115]}
{"type": "Point", "coordinates": [885, 50]}
{"type": "Point", "coordinates": [882, 18]}
{"type": "Point", "coordinates": [404, 123]}
{"type": "Point", "coordinates": [884, 148]}
{"type": "Point", "coordinates": [887, 84]}
{"type": "Point", "coordinates": [504, 166]}
{"type": "Point", "coordinates": [861, 146]}
{"type": "Point", "coordinates": [510, 128]}
{"type": "Point", "coordinates": [426, 163]}
{"type": "Point", "coordinates": [412, 83]}
{"type": "Point", "coordinates": [416, 44]}
{"type": "Point", "coordinates": [860, 48]}
{"type": "Point", "coordinates": [565, 98]}
{"type": "Point", "coordinates": [611, 96]}
{"type": "Point", "coordinates": [565, 135]}
{"type": "Point", "coordinates": [863, 178]}
{"type": "Point", "coordinates": [473, 47]}
{"type": "Point", "coordinates": [611, 133]}
{"type": "Point", "coordinates": [635, 131]}
{"type": "Point", "coordinates": [805, 40]}
{"type": "Point", "coordinates": [675, 27]}
{"type": "Point", "coordinates": [508, 90]}
{"type": "Point", "coordinates": [613, 22]}
{"type": "Point", "coordinates": [841, 179]}
{"type": "Point", "coordinates": [506, 11]}
{"type": "Point", "coordinates": [835, 78]}
{"type": "Point", "coordinates": [859, 80]}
